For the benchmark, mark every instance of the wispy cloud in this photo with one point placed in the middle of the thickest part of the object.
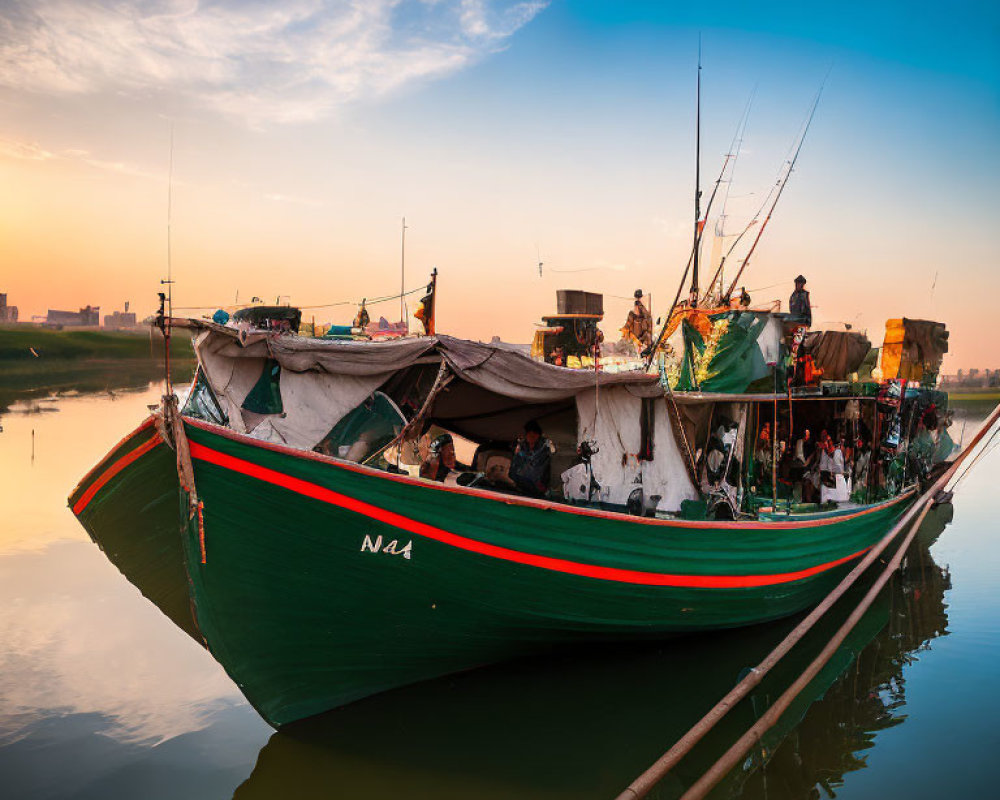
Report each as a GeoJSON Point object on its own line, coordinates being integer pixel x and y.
{"type": "Point", "coordinates": [21, 150]}
{"type": "Point", "coordinates": [24, 151]}
{"type": "Point", "coordinates": [263, 62]}
{"type": "Point", "coordinates": [276, 197]}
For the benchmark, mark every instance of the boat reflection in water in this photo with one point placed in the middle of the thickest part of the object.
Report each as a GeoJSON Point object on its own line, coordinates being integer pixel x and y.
{"type": "Point", "coordinates": [585, 724]}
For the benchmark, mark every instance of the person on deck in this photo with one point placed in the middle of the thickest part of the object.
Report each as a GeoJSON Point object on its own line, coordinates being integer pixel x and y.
{"type": "Point", "coordinates": [799, 307]}
{"type": "Point", "coordinates": [810, 475]}
{"type": "Point", "coordinates": [639, 324]}
{"type": "Point", "coordinates": [440, 459]}
{"type": "Point", "coordinates": [531, 466]}
{"type": "Point", "coordinates": [833, 484]}
{"type": "Point", "coordinates": [362, 319]}
{"type": "Point", "coordinates": [764, 455]}
{"type": "Point", "coordinates": [862, 461]}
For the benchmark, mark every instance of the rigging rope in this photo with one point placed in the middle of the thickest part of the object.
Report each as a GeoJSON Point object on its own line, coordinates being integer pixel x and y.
{"type": "Point", "coordinates": [783, 182]}
{"type": "Point", "coordinates": [987, 448]}
{"type": "Point", "coordinates": [368, 302]}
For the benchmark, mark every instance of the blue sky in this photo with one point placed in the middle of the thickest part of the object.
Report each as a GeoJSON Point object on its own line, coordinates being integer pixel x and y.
{"type": "Point", "coordinates": [304, 131]}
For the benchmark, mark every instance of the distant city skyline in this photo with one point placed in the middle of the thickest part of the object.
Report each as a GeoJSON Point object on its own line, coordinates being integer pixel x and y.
{"type": "Point", "coordinates": [506, 133]}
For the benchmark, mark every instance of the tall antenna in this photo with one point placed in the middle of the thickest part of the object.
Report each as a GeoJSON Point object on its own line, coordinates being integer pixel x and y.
{"type": "Point", "coordinates": [170, 207]}
{"type": "Point", "coordinates": [402, 273]}
{"type": "Point", "coordinates": [697, 184]}
{"type": "Point", "coordinates": [169, 281]}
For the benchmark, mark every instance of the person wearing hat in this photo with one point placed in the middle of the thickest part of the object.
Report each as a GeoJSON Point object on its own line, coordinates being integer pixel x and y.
{"type": "Point", "coordinates": [639, 324]}
{"type": "Point", "coordinates": [799, 309]}
{"type": "Point", "coordinates": [440, 459]}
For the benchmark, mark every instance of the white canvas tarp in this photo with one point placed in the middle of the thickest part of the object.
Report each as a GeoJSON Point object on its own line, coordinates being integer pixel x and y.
{"type": "Point", "coordinates": [616, 427]}
{"type": "Point", "coordinates": [313, 401]}
{"type": "Point", "coordinates": [323, 379]}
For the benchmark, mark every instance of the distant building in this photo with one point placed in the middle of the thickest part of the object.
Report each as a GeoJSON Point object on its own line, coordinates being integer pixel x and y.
{"type": "Point", "coordinates": [88, 316]}
{"type": "Point", "coordinates": [7, 313]}
{"type": "Point", "coordinates": [120, 319]}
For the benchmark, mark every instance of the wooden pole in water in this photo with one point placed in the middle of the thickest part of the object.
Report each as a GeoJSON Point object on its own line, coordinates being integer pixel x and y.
{"type": "Point", "coordinates": [753, 736]}
{"type": "Point", "coordinates": [642, 785]}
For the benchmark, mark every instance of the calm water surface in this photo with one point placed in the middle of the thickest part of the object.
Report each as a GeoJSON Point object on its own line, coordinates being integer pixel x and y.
{"type": "Point", "coordinates": [101, 696]}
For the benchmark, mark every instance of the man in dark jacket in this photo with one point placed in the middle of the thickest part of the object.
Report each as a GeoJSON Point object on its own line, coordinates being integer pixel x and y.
{"type": "Point", "coordinates": [799, 308]}
{"type": "Point", "coordinates": [531, 465]}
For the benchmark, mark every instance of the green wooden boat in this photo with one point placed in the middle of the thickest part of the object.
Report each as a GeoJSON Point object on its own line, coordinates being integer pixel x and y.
{"type": "Point", "coordinates": [316, 579]}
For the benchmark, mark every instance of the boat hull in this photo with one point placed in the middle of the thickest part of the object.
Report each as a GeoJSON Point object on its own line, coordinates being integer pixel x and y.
{"type": "Point", "coordinates": [316, 582]}
{"type": "Point", "coordinates": [129, 504]}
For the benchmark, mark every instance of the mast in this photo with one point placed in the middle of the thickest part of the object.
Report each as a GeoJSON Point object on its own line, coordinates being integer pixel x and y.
{"type": "Point", "coordinates": [697, 185]}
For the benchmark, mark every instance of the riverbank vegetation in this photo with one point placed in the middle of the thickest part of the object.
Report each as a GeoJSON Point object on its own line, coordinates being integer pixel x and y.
{"type": "Point", "coordinates": [35, 362]}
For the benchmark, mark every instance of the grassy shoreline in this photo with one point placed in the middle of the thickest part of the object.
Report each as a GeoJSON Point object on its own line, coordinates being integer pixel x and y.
{"type": "Point", "coordinates": [18, 341]}
{"type": "Point", "coordinates": [87, 360]}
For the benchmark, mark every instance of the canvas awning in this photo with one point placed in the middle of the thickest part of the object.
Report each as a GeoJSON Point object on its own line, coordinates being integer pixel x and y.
{"type": "Point", "coordinates": [497, 388]}
{"type": "Point", "coordinates": [498, 369]}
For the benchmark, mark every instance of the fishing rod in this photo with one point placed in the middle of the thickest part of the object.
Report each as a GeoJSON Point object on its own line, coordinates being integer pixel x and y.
{"type": "Point", "coordinates": [737, 145]}
{"type": "Point", "coordinates": [753, 221]}
{"type": "Point", "coordinates": [783, 182]}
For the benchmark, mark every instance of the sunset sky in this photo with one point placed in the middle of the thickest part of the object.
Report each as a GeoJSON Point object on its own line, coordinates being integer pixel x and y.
{"type": "Point", "coordinates": [304, 130]}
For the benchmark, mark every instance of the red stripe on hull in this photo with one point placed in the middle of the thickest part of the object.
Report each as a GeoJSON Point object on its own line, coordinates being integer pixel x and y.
{"type": "Point", "coordinates": [113, 470]}
{"type": "Point", "coordinates": [322, 494]}
{"type": "Point", "coordinates": [146, 423]}
{"type": "Point", "coordinates": [549, 505]}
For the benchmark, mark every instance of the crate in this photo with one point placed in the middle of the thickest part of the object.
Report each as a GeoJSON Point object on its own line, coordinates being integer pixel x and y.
{"type": "Point", "coordinates": [574, 301]}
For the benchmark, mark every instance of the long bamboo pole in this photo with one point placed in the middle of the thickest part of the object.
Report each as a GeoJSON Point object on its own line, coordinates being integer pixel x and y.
{"type": "Point", "coordinates": [642, 785]}
{"type": "Point", "coordinates": [743, 745]}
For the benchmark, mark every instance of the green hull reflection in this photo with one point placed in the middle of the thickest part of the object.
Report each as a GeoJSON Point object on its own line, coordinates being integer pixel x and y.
{"type": "Point", "coordinates": [583, 725]}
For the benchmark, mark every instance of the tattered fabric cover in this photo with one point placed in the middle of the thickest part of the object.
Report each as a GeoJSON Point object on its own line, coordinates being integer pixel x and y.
{"type": "Point", "coordinates": [314, 400]}
{"type": "Point", "coordinates": [911, 346]}
{"type": "Point", "coordinates": [837, 353]}
{"type": "Point", "coordinates": [321, 380]}
{"type": "Point", "coordinates": [616, 427]}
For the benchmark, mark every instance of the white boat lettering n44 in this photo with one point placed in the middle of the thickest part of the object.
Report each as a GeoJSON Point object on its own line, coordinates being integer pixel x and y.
{"type": "Point", "coordinates": [392, 548]}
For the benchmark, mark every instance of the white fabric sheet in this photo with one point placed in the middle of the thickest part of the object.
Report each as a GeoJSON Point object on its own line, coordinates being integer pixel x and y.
{"type": "Point", "coordinates": [618, 434]}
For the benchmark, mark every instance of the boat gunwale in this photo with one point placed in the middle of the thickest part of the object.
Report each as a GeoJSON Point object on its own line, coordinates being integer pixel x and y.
{"type": "Point", "coordinates": [145, 425]}
{"type": "Point", "coordinates": [547, 505]}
